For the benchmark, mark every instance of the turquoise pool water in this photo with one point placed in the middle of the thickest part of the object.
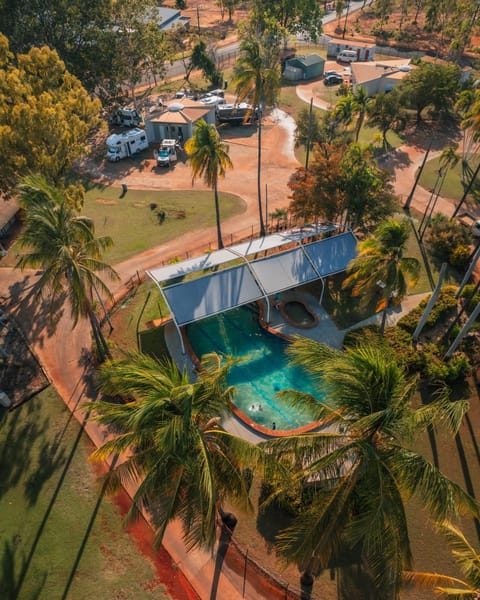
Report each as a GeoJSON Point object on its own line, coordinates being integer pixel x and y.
{"type": "Point", "coordinates": [263, 371]}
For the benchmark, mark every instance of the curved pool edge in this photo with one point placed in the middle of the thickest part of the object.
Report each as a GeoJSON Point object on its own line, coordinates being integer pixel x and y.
{"type": "Point", "coordinates": [247, 421]}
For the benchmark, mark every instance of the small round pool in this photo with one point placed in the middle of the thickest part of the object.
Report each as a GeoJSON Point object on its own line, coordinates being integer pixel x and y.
{"type": "Point", "coordinates": [298, 314]}
{"type": "Point", "coordinates": [263, 371]}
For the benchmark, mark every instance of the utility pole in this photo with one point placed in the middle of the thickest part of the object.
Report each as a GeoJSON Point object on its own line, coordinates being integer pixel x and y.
{"type": "Point", "coordinates": [309, 134]}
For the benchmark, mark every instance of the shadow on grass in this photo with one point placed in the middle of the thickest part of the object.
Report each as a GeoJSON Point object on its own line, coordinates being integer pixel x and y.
{"type": "Point", "coordinates": [10, 565]}
{"type": "Point", "coordinates": [18, 436]}
{"type": "Point", "coordinates": [40, 530]}
{"type": "Point", "coordinates": [88, 531]}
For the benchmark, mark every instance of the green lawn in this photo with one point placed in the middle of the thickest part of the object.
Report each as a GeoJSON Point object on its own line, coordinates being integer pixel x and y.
{"type": "Point", "coordinates": [134, 227]}
{"type": "Point", "coordinates": [60, 537]}
{"type": "Point", "coordinates": [453, 187]}
{"type": "Point", "coordinates": [130, 319]}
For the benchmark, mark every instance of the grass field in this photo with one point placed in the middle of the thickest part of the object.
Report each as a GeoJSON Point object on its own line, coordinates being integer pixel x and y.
{"type": "Point", "coordinates": [60, 537]}
{"type": "Point", "coordinates": [134, 227]}
{"type": "Point", "coordinates": [452, 187]}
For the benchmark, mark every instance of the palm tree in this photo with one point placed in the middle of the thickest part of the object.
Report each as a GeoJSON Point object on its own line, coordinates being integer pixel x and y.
{"type": "Point", "coordinates": [257, 78]}
{"type": "Point", "coordinates": [380, 263]}
{"type": "Point", "coordinates": [448, 159]}
{"type": "Point", "coordinates": [356, 474]}
{"type": "Point", "coordinates": [63, 244]}
{"type": "Point", "coordinates": [209, 159]}
{"type": "Point", "coordinates": [360, 103]}
{"type": "Point", "coordinates": [466, 557]}
{"type": "Point", "coordinates": [344, 110]}
{"type": "Point", "coordinates": [170, 433]}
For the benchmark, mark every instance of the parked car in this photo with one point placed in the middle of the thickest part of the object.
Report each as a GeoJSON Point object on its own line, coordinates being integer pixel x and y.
{"type": "Point", "coordinates": [217, 92]}
{"type": "Point", "coordinates": [213, 100]}
{"type": "Point", "coordinates": [333, 80]}
{"type": "Point", "coordinates": [328, 73]}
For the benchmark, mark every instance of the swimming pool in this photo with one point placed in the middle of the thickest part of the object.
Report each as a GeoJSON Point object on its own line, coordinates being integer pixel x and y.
{"type": "Point", "coordinates": [263, 371]}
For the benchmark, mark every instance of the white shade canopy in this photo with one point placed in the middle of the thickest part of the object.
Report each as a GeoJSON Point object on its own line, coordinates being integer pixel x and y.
{"type": "Point", "coordinates": [241, 284]}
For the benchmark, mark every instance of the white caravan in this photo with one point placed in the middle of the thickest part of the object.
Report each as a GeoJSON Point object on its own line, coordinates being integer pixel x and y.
{"type": "Point", "coordinates": [127, 117]}
{"type": "Point", "coordinates": [126, 144]}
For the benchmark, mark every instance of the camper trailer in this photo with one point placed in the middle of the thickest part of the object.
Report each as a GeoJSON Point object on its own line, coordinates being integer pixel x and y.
{"type": "Point", "coordinates": [126, 144]}
{"type": "Point", "coordinates": [235, 114]}
{"type": "Point", "coordinates": [128, 117]}
{"type": "Point", "coordinates": [167, 155]}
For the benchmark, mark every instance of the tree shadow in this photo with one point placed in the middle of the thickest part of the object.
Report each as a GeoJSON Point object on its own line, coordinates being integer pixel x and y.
{"type": "Point", "coordinates": [223, 545]}
{"type": "Point", "coordinates": [38, 313]}
{"type": "Point", "coordinates": [16, 449]}
{"type": "Point", "coordinates": [10, 565]}
{"type": "Point", "coordinates": [67, 463]}
{"type": "Point", "coordinates": [89, 528]}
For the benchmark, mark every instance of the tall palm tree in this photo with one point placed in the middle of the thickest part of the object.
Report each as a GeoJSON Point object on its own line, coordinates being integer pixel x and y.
{"type": "Point", "coordinates": [356, 474]}
{"type": "Point", "coordinates": [170, 433]}
{"type": "Point", "coordinates": [448, 159]}
{"type": "Point", "coordinates": [380, 263]}
{"type": "Point", "coordinates": [360, 103]}
{"type": "Point", "coordinates": [209, 159]}
{"type": "Point", "coordinates": [257, 78]}
{"type": "Point", "coordinates": [344, 110]}
{"type": "Point", "coordinates": [467, 558]}
{"type": "Point", "coordinates": [63, 244]}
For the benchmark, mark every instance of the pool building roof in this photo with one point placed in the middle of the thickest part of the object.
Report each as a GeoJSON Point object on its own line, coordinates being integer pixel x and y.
{"type": "Point", "coordinates": [229, 288]}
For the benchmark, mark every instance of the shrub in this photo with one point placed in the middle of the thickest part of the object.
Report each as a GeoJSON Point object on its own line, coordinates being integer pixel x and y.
{"type": "Point", "coordinates": [470, 300]}
{"type": "Point", "coordinates": [443, 307]}
{"type": "Point", "coordinates": [445, 236]}
{"type": "Point", "coordinates": [450, 371]}
{"type": "Point", "coordinates": [459, 256]}
{"type": "Point", "coordinates": [405, 353]}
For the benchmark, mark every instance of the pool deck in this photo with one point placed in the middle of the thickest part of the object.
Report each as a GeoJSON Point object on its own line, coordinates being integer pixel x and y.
{"type": "Point", "coordinates": [325, 331]}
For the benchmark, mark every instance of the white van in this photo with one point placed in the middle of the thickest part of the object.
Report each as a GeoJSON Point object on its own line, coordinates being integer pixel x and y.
{"type": "Point", "coordinates": [347, 56]}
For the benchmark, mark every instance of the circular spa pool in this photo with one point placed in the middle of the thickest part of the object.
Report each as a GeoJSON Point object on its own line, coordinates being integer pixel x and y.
{"type": "Point", "coordinates": [298, 314]}
{"type": "Point", "coordinates": [263, 371]}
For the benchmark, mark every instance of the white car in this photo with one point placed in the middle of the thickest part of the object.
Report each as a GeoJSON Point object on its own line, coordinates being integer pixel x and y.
{"type": "Point", "coordinates": [213, 100]}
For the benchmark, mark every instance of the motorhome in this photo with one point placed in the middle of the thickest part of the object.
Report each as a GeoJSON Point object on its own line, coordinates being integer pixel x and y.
{"type": "Point", "coordinates": [235, 114]}
{"type": "Point", "coordinates": [347, 56]}
{"type": "Point", "coordinates": [127, 117]}
{"type": "Point", "coordinates": [167, 155]}
{"type": "Point", "coordinates": [126, 144]}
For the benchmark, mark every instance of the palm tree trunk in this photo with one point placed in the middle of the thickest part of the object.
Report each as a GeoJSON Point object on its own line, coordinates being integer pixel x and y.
{"type": "Point", "coordinates": [467, 191]}
{"type": "Point", "coordinates": [100, 341]}
{"type": "Point", "coordinates": [259, 172]}
{"type": "Point", "coordinates": [217, 217]}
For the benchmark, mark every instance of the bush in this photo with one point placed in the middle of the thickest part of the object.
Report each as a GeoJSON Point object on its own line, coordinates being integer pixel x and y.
{"type": "Point", "coordinates": [450, 371]}
{"type": "Point", "coordinates": [467, 297]}
{"type": "Point", "coordinates": [459, 257]}
{"type": "Point", "coordinates": [443, 308]}
{"type": "Point", "coordinates": [405, 353]}
{"type": "Point", "coordinates": [446, 237]}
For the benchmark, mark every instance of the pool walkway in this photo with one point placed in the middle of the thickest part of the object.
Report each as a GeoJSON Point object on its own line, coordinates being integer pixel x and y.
{"type": "Point", "coordinates": [325, 331]}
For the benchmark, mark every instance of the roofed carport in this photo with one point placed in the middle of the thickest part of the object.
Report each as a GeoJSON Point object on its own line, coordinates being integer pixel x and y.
{"type": "Point", "coordinates": [218, 292]}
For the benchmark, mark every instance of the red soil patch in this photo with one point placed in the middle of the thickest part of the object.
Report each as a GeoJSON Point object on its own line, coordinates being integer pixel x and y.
{"type": "Point", "coordinates": [168, 574]}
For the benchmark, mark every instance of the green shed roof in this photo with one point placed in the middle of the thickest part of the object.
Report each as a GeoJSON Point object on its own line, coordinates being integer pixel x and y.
{"type": "Point", "coordinates": [307, 60]}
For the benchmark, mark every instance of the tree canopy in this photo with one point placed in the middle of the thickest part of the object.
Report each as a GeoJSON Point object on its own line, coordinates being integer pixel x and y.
{"type": "Point", "coordinates": [46, 116]}
{"type": "Point", "coordinates": [428, 85]}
